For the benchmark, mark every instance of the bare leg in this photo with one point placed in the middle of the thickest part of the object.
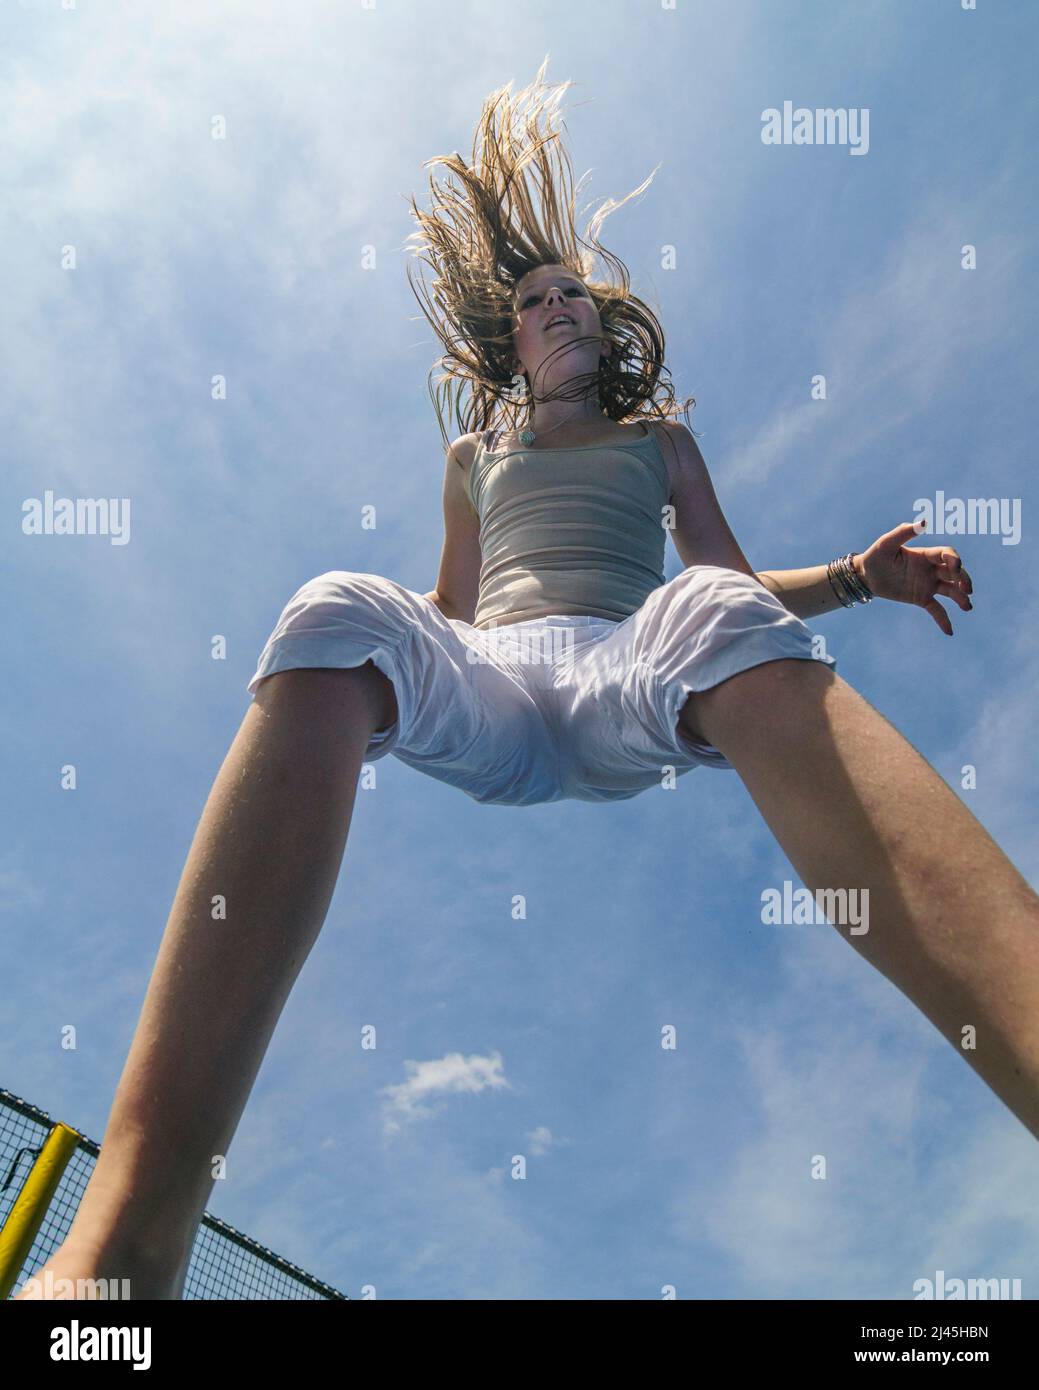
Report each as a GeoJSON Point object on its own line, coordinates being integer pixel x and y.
{"type": "Point", "coordinates": [270, 842]}
{"type": "Point", "coordinates": [852, 803]}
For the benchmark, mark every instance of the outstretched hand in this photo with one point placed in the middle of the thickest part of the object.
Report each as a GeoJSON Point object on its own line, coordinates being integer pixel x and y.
{"type": "Point", "coordinates": [892, 570]}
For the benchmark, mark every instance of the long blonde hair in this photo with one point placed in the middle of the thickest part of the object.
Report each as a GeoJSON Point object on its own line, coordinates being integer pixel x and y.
{"type": "Point", "coordinates": [484, 234]}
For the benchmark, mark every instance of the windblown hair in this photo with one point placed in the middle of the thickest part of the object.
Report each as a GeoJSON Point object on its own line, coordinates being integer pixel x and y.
{"type": "Point", "coordinates": [482, 236]}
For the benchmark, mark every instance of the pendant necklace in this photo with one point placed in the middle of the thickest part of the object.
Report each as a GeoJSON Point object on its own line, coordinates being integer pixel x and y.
{"type": "Point", "coordinates": [527, 435]}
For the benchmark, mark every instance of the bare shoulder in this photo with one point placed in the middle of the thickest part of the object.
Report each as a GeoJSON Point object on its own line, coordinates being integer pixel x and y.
{"type": "Point", "coordinates": [463, 448]}
{"type": "Point", "coordinates": [679, 449]}
{"type": "Point", "coordinates": [458, 463]}
{"type": "Point", "coordinates": [463, 451]}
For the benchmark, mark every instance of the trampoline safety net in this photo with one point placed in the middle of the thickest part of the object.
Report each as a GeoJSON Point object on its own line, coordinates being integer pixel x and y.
{"type": "Point", "coordinates": [225, 1264]}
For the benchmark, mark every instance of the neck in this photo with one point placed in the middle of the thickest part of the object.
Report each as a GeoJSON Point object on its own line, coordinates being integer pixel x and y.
{"type": "Point", "coordinates": [561, 414]}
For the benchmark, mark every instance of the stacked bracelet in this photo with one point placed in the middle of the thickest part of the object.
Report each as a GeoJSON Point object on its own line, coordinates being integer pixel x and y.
{"type": "Point", "coordinates": [855, 591]}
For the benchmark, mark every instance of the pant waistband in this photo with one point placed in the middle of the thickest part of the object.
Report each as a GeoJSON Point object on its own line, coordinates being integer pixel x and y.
{"type": "Point", "coordinates": [556, 620]}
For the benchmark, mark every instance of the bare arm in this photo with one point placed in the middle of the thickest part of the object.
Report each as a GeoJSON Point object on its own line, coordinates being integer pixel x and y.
{"type": "Point", "coordinates": [458, 583]}
{"type": "Point", "coordinates": [702, 536]}
{"type": "Point", "coordinates": [806, 592]}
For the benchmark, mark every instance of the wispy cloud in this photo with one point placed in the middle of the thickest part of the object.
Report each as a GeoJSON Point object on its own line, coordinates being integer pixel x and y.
{"type": "Point", "coordinates": [434, 1080]}
{"type": "Point", "coordinates": [887, 345]}
{"type": "Point", "coordinates": [869, 1141]}
{"type": "Point", "coordinates": [243, 257]}
{"type": "Point", "coordinates": [540, 1140]}
{"type": "Point", "coordinates": [18, 890]}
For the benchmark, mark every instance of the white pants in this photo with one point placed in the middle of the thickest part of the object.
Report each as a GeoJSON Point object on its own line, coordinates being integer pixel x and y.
{"type": "Point", "coordinates": [555, 708]}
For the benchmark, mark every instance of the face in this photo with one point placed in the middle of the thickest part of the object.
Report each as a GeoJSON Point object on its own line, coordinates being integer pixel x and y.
{"type": "Point", "coordinates": [542, 294]}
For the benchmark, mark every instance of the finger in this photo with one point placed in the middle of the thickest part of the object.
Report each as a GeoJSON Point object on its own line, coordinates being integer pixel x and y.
{"type": "Point", "coordinates": [954, 592]}
{"type": "Point", "coordinates": [949, 565]}
{"type": "Point", "coordinates": [940, 616]}
{"type": "Point", "coordinates": [960, 578]}
{"type": "Point", "coordinates": [894, 539]}
{"type": "Point", "coordinates": [939, 555]}
{"type": "Point", "coordinates": [955, 564]}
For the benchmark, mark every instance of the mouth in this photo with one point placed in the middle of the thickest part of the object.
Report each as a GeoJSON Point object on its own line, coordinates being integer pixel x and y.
{"type": "Point", "coordinates": [557, 319]}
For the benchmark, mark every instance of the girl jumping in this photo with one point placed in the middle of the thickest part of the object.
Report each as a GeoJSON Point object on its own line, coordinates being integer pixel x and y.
{"type": "Point", "coordinates": [551, 661]}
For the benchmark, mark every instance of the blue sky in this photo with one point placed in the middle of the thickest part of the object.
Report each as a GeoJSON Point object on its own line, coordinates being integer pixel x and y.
{"type": "Point", "coordinates": [392, 1168]}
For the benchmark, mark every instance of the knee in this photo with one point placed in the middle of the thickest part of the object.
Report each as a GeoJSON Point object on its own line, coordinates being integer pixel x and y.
{"type": "Point", "coordinates": [341, 599]}
{"type": "Point", "coordinates": [312, 691]}
{"type": "Point", "coordinates": [760, 696]}
{"type": "Point", "coordinates": [701, 590]}
{"type": "Point", "coordinates": [353, 585]}
{"type": "Point", "coordinates": [700, 574]}
{"type": "Point", "coordinates": [726, 583]}
{"type": "Point", "coordinates": [343, 630]}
